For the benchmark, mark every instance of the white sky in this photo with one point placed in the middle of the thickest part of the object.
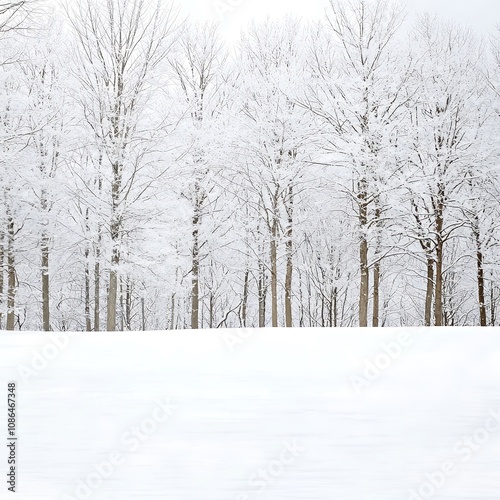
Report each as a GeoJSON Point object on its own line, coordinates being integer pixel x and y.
{"type": "Point", "coordinates": [482, 15]}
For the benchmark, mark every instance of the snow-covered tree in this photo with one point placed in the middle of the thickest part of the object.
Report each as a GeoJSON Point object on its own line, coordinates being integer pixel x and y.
{"type": "Point", "coordinates": [121, 43]}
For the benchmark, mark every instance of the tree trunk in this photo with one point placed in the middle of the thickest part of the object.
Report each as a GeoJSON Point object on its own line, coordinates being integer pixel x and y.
{"type": "Point", "coordinates": [322, 310]}
{"type": "Point", "coordinates": [143, 314]}
{"type": "Point", "coordinates": [274, 275]}
{"type": "Point", "coordinates": [116, 222]}
{"type": "Point", "coordinates": [429, 291]}
{"type": "Point", "coordinates": [112, 293]}
{"type": "Point", "coordinates": [480, 278]}
{"type": "Point", "coordinates": [335, 307]}
{"type": "Point", "coordinates": [244, 301]}
{"type": "Point", "coordinates": [97, 268]}
{"type": "Point", "coordinates": [45, 284]}
{"type": "Point", "coordinates": [330, 309]}
{"type": "Point", "coordinates": [376, 294]}
{"type": "Point", "coordinates": [426, 245]}
{"type": "Point", "coordinates": [128, 305]}
{"type": "Point", "coordinates": [211, 310]}
{"type": "Point", "coordinates": [122, 308]}
{"type": "Point", "coordinates": [262, 288]}
{"type": "Point", "coordinates": [115, 229]}
{"type": "Point", "coordinates": [195, 284]}
{"type": "Point", "coordinates": [438, 309]}
{"type": "Point", "coordinates": [172, 312]}
{"type": "Point", "coordinates": [492, 302]}
{"type": "Point", "coordinates": [44, 245]}
{"type": "Point", "coordinates": [301, 301]}
{"type": "Point", "coordinates": [11, 276]}
{"type": "Point", "coordinates": [289, 261]}
{"type": "Point", "coordinates": [376, 273]}
{"type": "Point", "coordinates": [364, 283]}
{"type": "Point", "coordinates": [88, 324]}
{"type": "Point", "coordinates": [97, 286]}
{"type": "Point", "coordinates": [363, 254]}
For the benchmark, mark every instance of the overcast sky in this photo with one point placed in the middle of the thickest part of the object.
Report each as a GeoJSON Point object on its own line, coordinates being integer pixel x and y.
{"type": "Point", "coordinates": [480, 14]}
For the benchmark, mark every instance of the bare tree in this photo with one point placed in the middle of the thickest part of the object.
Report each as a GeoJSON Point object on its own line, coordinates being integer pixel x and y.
{"type": "Point", "coordinates": [447, 123]}
{"type": "Point", "coordinates": [198, 66]}
{"type": "Point", "coordinates": [276, 136]}
{"type": "Point", "coordinates": [359, 100]}
{"type": "Point", "coordinates": [121, 43]}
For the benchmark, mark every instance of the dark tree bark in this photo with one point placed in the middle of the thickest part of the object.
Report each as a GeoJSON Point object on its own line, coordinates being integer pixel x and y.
{"type": "Point", "coordinates": [363, 254]}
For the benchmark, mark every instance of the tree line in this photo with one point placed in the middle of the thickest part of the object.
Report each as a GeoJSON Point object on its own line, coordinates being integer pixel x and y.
{"type": "Point", "coordinates": [330, 174]}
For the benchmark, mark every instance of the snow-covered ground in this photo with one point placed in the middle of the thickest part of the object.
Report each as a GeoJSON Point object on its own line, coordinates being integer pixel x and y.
{"type": "Point", "coordinates": [241, 415]}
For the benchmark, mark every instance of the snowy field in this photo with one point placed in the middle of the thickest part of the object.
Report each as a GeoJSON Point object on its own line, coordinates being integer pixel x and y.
{"type": "Point", "coordinates": [243, 415]}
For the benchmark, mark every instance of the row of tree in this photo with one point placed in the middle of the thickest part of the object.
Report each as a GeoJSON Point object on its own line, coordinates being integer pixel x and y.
{"type": "Point", "coordinates": [341, 173]}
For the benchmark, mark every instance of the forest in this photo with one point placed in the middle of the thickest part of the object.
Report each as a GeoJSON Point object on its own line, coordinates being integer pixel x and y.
{"type": "Point", "coordinates": [330, 174]}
